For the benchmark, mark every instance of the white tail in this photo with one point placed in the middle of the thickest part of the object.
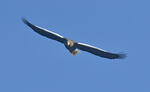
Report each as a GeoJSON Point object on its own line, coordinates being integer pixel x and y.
{"type": "Point", "coordinates": [75, 52]}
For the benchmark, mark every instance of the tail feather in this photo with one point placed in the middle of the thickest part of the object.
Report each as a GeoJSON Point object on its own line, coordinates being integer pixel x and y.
{"type": "Point", "coordinates": [75, 52]}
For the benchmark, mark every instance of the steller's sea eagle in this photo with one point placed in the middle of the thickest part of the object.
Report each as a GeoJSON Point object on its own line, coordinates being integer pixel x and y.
{"type": "Point", "coordinates": [73, 46]}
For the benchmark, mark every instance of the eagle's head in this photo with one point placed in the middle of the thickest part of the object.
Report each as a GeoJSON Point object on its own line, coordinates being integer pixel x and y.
{"type": "Point", "coordinates": [68, 43]}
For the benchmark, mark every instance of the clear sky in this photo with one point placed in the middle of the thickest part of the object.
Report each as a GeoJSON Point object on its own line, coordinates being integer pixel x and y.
{"type": "Point", "coordinates": [30, 62]}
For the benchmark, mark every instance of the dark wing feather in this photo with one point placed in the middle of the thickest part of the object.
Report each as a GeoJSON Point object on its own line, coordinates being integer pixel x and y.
{"type": "Point", "coordinates": [45, 32]}
{"type": "Point", "coordinates": [99, 52]}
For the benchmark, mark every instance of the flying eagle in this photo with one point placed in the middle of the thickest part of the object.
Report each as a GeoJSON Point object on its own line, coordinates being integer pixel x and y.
{"type": "Point", "coordinates": [73, 46]}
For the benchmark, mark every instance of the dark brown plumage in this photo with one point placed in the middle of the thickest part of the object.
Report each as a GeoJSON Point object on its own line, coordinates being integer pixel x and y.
{"type": "Point", "coordinates": [73, 46]}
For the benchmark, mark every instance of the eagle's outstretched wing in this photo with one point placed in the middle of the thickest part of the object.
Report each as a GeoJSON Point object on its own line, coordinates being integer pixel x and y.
{"type": "Point", "coordinates": [45, 32]}
{"type": "Point", "coordinates": [99, 52]}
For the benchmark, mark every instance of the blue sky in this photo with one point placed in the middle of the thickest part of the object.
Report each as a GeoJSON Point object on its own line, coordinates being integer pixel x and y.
{"type": "Point", "coordinates": [32, 63]}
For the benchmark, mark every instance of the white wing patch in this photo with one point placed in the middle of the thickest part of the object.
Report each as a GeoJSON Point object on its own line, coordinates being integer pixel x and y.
{"type": "Point", "coordinates": [50, 32]}
{"type": "Point", "coordinates": [91, 46]}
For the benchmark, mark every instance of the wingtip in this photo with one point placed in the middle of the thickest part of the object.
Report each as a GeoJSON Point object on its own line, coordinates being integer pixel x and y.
{"type": "Point", "coordinates": [122, 56]}
{"type": "Point", "coordinates": [27, 22]}
{"type": "Point", "coordinates": [24, 20]}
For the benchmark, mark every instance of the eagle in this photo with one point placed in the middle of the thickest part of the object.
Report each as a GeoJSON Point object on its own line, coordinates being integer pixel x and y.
{"type": "Point", "coordinates": [73, 46]}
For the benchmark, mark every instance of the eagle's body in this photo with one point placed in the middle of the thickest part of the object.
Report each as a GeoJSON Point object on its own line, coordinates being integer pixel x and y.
{"type": "Point", "coordinates": [73, 46]}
